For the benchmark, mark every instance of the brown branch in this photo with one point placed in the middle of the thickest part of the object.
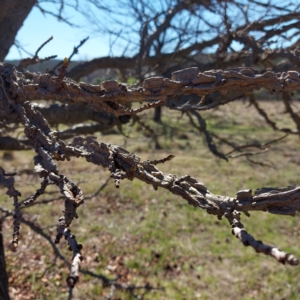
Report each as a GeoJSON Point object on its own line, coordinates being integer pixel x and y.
{"type": "Point", "coordinates": [44, 44]}
{"type": "Point", "coordinates": [258, 163]}
{"type": "Point", "coordinates": [247, 239]}
{"type": "Point", "coordinates": [267, 119]}
{"type": "Point", "coordinates": [208, 137]}
{"type": "Point", "coordinates": [24, 63]}
{"type": "Point", "coordinates": [248, 153]}
{"type": "Point", "coordinates": [77, 257]}
{"type": "Point", "coordinates": [183, 82]}
{"type": "Point", "coordinates": [75, 51]}
{"type": "Point", "coordinates": [38, 193]}
{"type": "Point", "coordinates": [152, 132]}
{"type": "Point", "coordinates": [56, 15]}
{"type": "Point", "coordinates": [263, 147]}
{"type": "Point", "coordinates": [123, 164]}
{"type": "Point", "coordinates": [286, 100]}
{"type": "Point", "coordinates": [274, 200]}
{"type": "Point", "coordinates": [169, 15]}
{"type": "Point", "coordinates": [12, 192]}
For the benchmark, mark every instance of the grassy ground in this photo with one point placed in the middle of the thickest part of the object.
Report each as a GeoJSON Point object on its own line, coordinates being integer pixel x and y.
{"type": "Point", "coordinates": [154, 240]}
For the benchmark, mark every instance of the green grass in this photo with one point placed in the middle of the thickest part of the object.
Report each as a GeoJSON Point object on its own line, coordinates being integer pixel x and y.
{"type": "Point", "coordinates": [146, 237]}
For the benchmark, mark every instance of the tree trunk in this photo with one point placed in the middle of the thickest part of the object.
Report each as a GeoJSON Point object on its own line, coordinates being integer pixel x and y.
{"type": "Point", "coordinates": [157, 115]}
{"type": "Point", "coordinates": [3, 275]}
{"type": "Point", "coordinates": [12, 16]}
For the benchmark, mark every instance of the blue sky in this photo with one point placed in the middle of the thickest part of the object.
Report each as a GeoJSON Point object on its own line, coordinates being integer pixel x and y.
{"type": "Point", "coordinates": [37, 28]}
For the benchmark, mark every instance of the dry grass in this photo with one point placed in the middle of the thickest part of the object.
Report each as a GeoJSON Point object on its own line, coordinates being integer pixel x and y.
{"type": "Point", "coordinates": [154, 239]}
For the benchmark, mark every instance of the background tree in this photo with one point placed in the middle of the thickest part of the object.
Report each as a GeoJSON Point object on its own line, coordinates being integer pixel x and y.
{"type": "Point", "coordinates": [164, 36]}
{"type": "Point", "coordinates": [172, 35]}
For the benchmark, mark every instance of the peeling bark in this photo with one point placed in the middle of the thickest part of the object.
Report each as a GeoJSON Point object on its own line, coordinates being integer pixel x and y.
{"type": "Point", "coordinates": [17, 88]}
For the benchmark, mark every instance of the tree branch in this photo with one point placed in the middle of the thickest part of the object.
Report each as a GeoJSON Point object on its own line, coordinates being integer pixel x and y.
{"type": "Point", "coordinates": [18, 87]}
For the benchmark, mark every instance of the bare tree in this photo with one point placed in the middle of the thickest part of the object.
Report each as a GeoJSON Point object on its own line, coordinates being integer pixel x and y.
{"type": "Point", "coordinates": [164, 36]}
{"type": "Point", "coordinates": [19, 89]}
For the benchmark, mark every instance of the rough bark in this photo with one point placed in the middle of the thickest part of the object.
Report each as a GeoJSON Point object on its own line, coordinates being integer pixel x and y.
{"type": "Point", "coordinates": [12, 16]}
{"type": "Point", "coordinates": [16, 88]}
{"type": "Point", "coordinates": [112, 97]}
